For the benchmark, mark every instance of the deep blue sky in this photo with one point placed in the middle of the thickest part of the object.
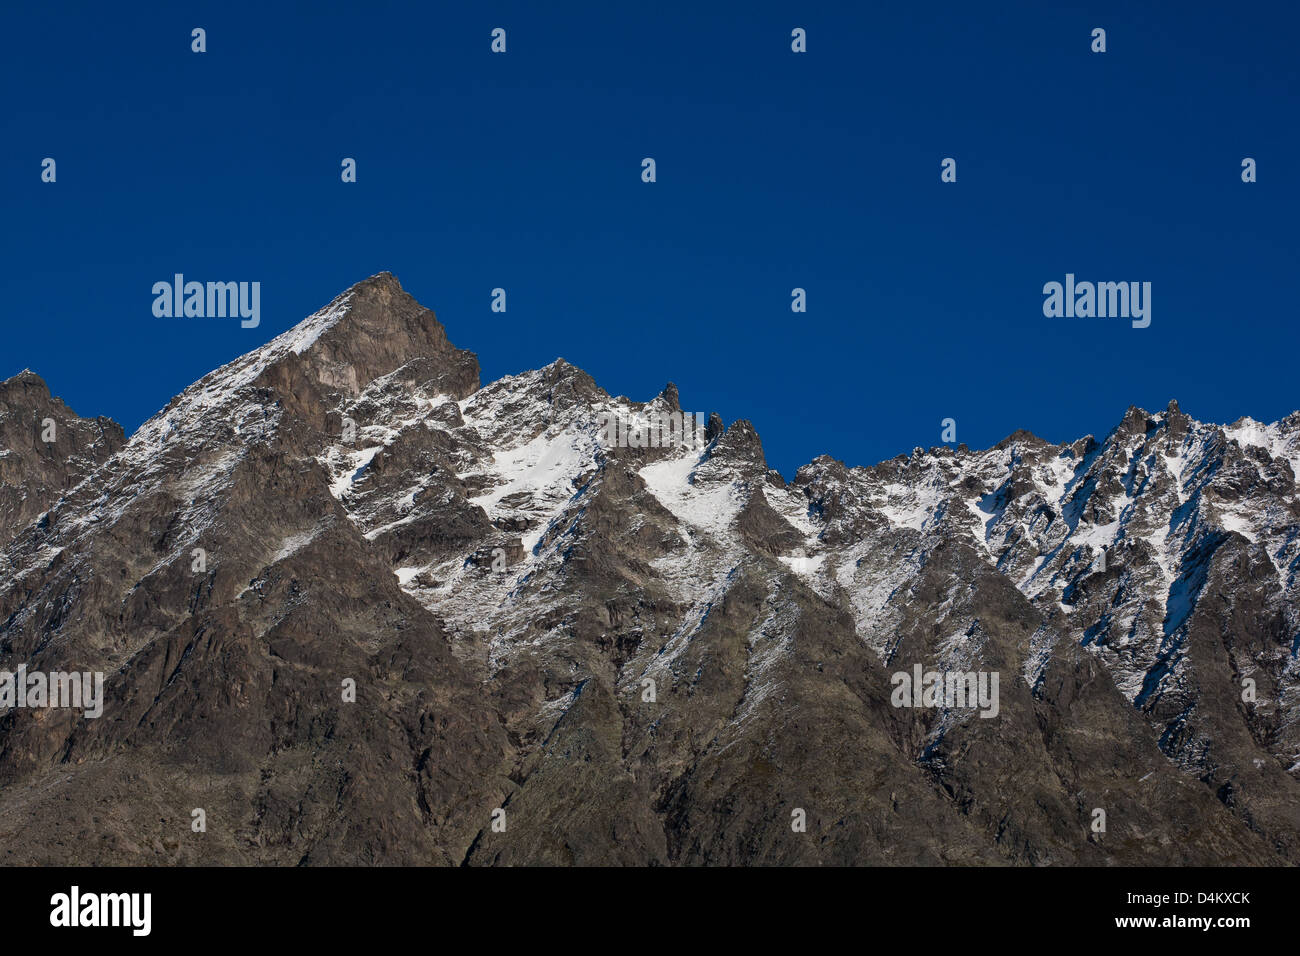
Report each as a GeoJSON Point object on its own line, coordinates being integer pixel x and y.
{"type": "Point", "coordinates": [775, 170]}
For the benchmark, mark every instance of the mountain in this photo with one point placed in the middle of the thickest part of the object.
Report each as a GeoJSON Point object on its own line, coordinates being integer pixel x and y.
{"type": "Point", "coordinates": [567, 651]}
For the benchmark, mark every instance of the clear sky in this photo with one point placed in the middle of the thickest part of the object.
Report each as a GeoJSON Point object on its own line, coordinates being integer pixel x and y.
{"type": "Point", "coordinates": [775, 169]}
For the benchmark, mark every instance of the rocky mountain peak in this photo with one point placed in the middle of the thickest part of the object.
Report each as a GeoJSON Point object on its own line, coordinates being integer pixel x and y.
{"type": "Point", "coordinates": [24, 379]}
{"type": "Point", "coordinates": [45, 449]}
{"type": "Point", "coordinates": [1021, 437]}
{"type": "Point", "coordinates": [1136, 421]}
{"type": "Point", "coordinates": [736, 455]}
{"type": "Point", "coordinates": [373, 329]}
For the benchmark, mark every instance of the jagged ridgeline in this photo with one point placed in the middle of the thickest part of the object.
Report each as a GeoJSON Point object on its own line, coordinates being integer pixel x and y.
{"type": "Point", "coordinates": [351, 607]}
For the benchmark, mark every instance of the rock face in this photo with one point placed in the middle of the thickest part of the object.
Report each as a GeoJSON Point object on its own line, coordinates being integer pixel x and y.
{"type": "Point", "coordinates": [359, 610]}
{"type": "Point", "coordinates": [45, 449]}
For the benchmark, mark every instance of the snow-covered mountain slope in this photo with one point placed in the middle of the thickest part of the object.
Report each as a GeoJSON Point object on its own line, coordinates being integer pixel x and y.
{"type": "Point", "coordinates": [648, 654]}
{"type": "Point", "coordinates": [1116, 542]}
